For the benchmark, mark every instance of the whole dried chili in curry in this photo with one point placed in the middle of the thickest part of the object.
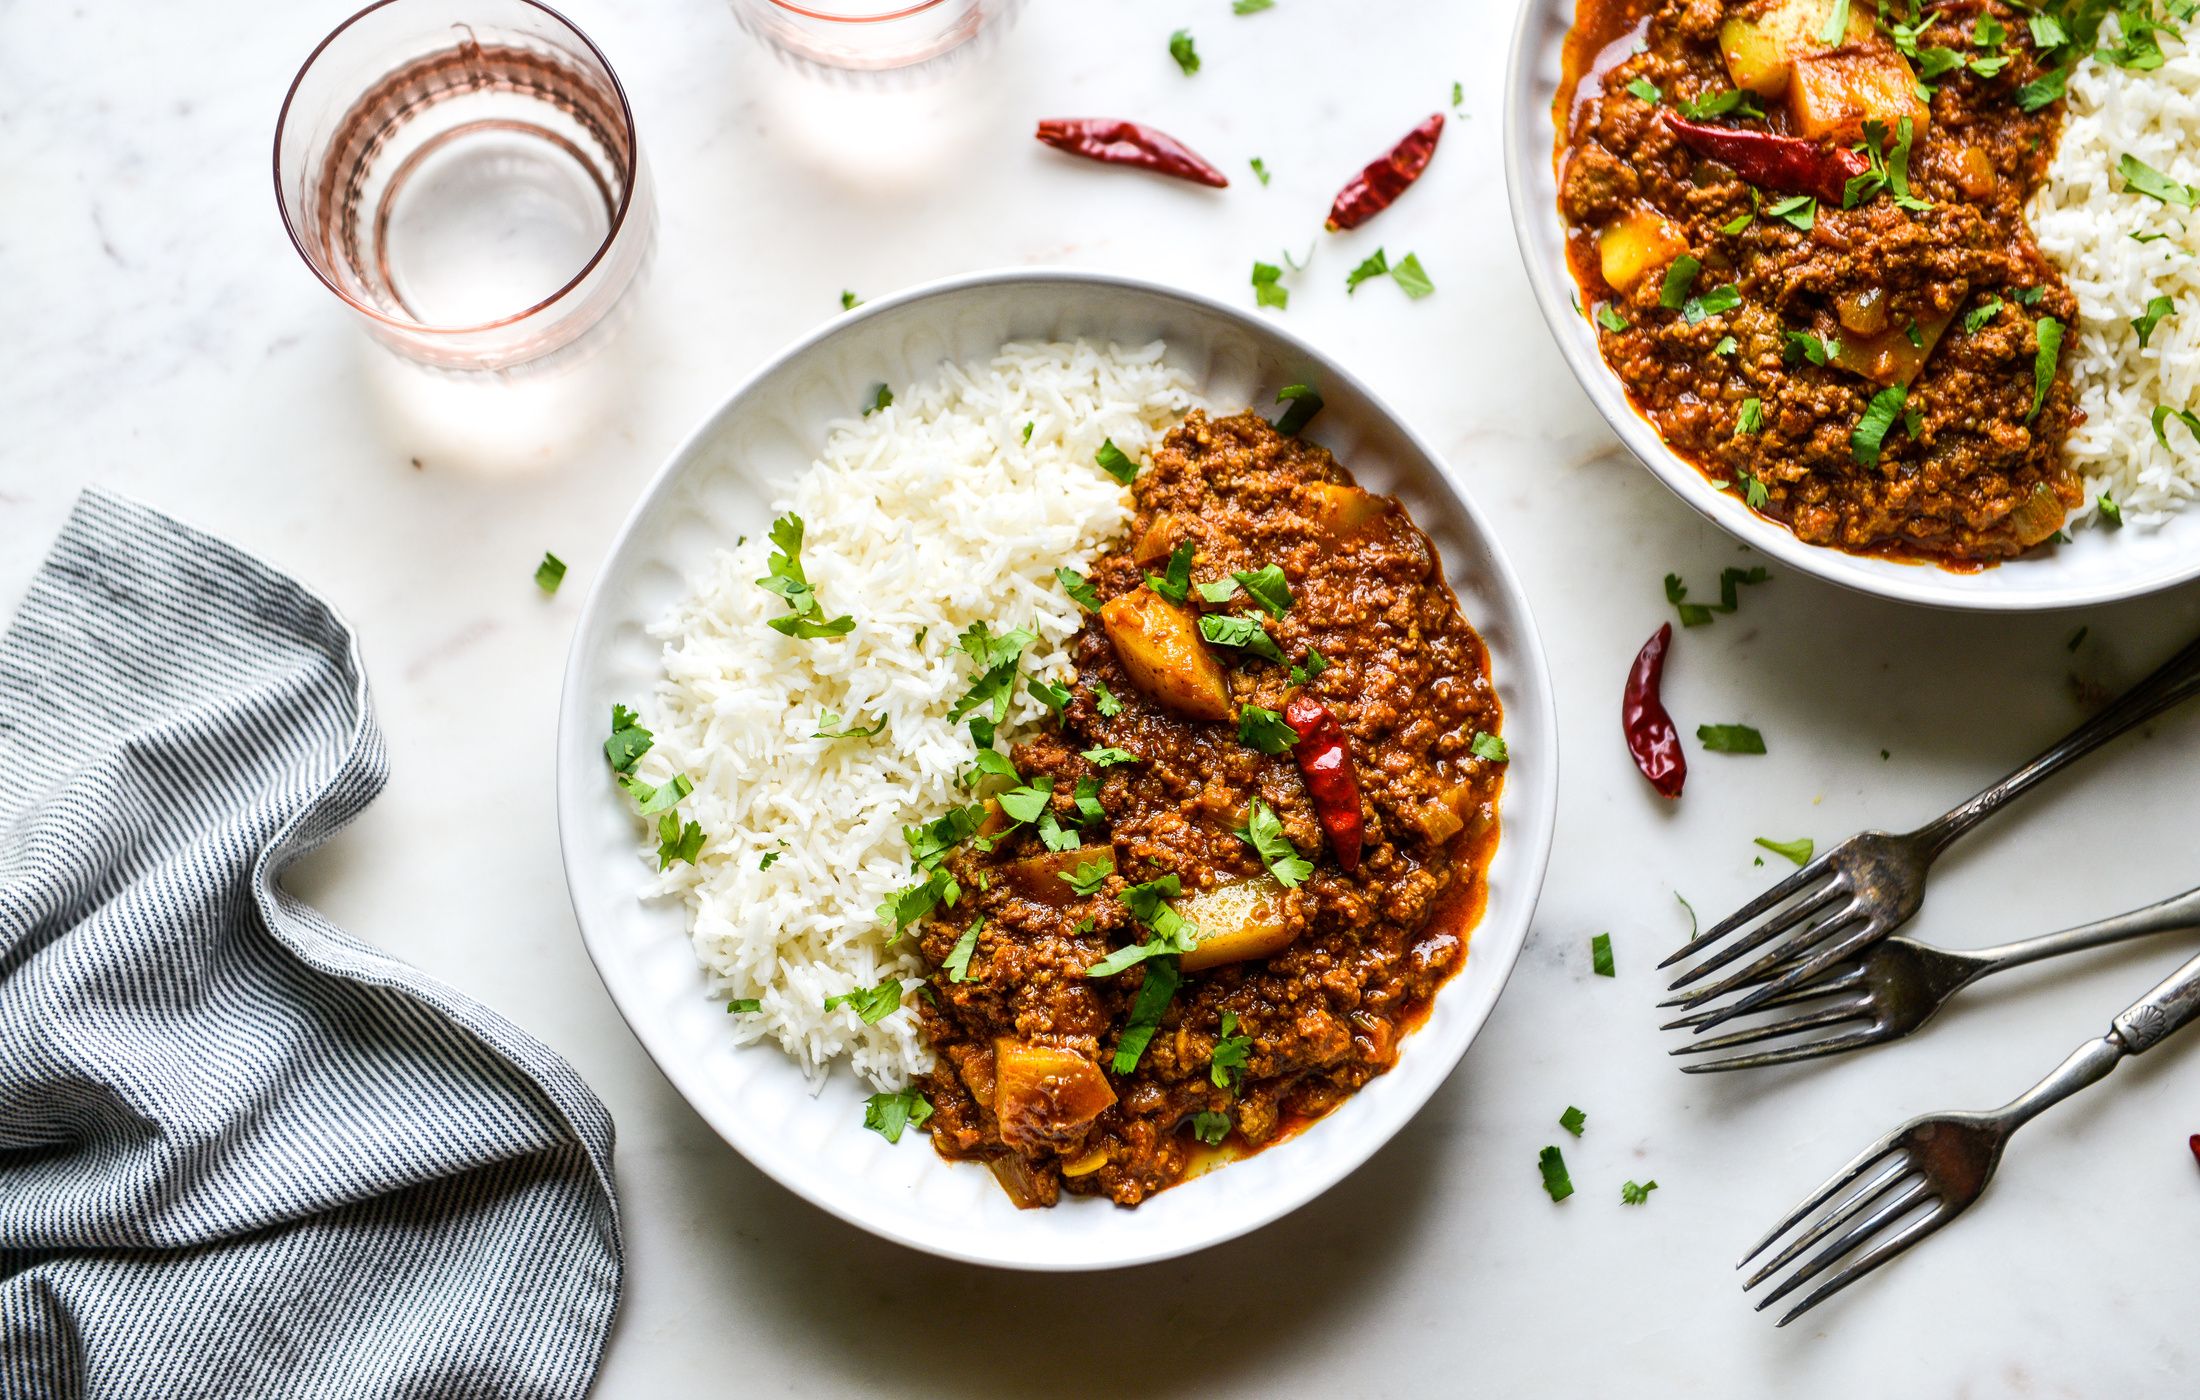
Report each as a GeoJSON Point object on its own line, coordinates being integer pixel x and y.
{"type": "Point", "coordinates": [1112, 141]}
{"type": "Point", "coordinates": [1378, 186]}
{"type": "Point", "coordinates": [1787, 164]}
{"type": "Point", "coordinates": [1325, 761]}
{"type": "Point", "coordinates": [1651, 736]}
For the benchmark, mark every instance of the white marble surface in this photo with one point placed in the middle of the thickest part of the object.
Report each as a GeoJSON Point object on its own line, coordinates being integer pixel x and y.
{"type": "Point", "coordinates": [163, 339]}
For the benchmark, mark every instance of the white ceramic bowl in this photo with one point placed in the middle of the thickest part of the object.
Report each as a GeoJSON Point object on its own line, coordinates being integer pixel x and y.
{"type": "Point", "coordinates": [717, 486]}
{"type": "Point", "coordinates": [2099, 566]}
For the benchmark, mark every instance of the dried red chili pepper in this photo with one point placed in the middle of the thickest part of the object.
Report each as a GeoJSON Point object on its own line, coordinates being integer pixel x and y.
{"type": "Point", "coordinates": [1325, 760]}
{"type": "Point", "coordinates": [1788, 164]}
{"type": "Point", "coordinates": [1651, 736]}
{"type": "Point", "coordinates": [1115, 142]}
{"type": "Point", "coordinates": [1378, 186]}
{"type": "Point", "coordinates": [2196, 1147]}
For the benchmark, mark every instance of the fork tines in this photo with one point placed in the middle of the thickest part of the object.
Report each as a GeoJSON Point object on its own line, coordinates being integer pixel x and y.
{"type": "Point", "coordinates": [1819, 915]}
{"type": "Point", "coordinates": [1897, 1192]}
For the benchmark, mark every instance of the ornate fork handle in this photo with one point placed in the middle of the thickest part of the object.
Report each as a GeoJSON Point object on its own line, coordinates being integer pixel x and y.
{"type": "Point", "coordinates": [2176, 680]}
{"type": "Point", "coordinates": [2154, 1017]}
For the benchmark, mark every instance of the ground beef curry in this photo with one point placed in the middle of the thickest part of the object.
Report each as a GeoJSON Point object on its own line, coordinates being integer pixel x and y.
{"type": "Point", "coordinates": [1170, 934]}
{"type": "Point", "coordinates": [1798, 226]}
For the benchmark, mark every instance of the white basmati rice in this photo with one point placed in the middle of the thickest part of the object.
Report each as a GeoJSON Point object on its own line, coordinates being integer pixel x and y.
{"type": "Point", "coordinates": [2085, 219]}
{"type": "Point", "coordinates": [921, 519]}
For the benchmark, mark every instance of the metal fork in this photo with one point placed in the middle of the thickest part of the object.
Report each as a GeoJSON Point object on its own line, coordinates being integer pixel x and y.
{"type": "Point", "coordinates": [1871, 884]}
{"type": "Point", "coordinates": [1895, 985]}
{"type": "Point", "coordinates": [1942, 1162]}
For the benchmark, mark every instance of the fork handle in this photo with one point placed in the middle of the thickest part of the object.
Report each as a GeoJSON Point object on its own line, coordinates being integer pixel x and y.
{"type": "Point", "coordinates": [2176, 912]}
{"type": "Point", "coordinates": [2152, 1018]}
{"type": "Point", "coordinates": [2176, 680]}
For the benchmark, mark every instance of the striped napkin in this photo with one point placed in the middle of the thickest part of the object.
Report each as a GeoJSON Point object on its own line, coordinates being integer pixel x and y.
{"type": "Point", "coordinates": [243, 1154]}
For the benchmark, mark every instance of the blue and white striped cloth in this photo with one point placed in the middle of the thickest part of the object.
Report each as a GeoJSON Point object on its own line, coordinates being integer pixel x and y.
{"type": "Point", "coordinates": [243, 1154]}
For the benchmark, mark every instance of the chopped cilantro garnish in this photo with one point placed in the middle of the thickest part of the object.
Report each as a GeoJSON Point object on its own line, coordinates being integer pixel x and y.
{"type": "Point", "coordinates": [1751, 419]}
{"type": "Point", "coordinates": [1146, 1012]}
{"type": "Point", "coordinates": [1221, 590]}
{"type": "Point", "coordinates": [1079, 589]}
{"type": "Point", "coordinates": [769, 857]}
{"type": "Point", "coordinates": [1797, 850]}
{"type": "Point", "coordinates": [2146, 180]}
{"type": "Point", "coordinates": [1053, 696]}
{"type": "Point", "coordinates": [1600, 955]}
{"type": "Point", "coordinates": [2050, 333]}
{"type": "Point", "coordinates": [744, 1006]}
{"type": "Point", "coordinates": [1089, 875]}
{"type": "Point", "coordinates": [1305, 403]}
{"type": "Point", "coordinates": [1739, 222]}
{"type": "Point", "coordinates": [1108, 757]}
{"type": "Point", "coordinates": [1731, 103]}
{"type": "Point", "coordinates": [2045, 89]}
{"type": "Point", "coordinates": [1552, 1163]}
{"type": "Point", "coordinates": [1490, 748]}
{"type": "Point", "coordinates": [1268, 289]}
{"type": "Point", "coordinates": [785, 577]}
{"type": "Point", "coordinates": [1836, 30]}
{"type": "Point", "coordinates": [1024, 804]}
{"type": "Point", "coordinates": [1265, 730]}
{"type": "Point", "coordinates": [1242, 633]}
{"type": "Point", "coordinates": [1976, 318]}
{"type": "Point", "coordinates": [1800, 211]}
{"type": "Point", "coordinates": [889, 1114]}
{"type": "Point", "coordinates": [1678, 279]}
{"type": "Point", "coordinates": [1817, 349]}
{"type": "Point", "coordinates": [1870, 433]}
{"type": "Point", "coordinates": [1087, 801]}
{"type": "Point", "coordinates": [1730, 581]}
{"type": "Point", "coordinates": [1260, 168]}
{"type": "Point", "coordinates": [957, 962]}
{"type": "Point", "coordinates": [1181, 49]}
{"type": "Point", "coordinates": [2156, 310]}
{"type": "Point", "coordinates": [1754, 494]}
{"type": "Point", "coordinates": [1268, 587]}
{"type": "Point", "coordinates": [1727, 346]}
{"type": "Point", "coordinates": [905, 906]}
{"type": "Point", "coordinates": [1250, 7]}
{"type": "Point", "coordinates": [1264, 833]}
{"type": "Point", "coordinates": [1226, 1062]}
{"type": "Point", "coordinates": [2112, 513]}
{"type": "Point", "coordinates": [628, 741]}
{"type": "Point", "coordinates": [1572, 1120]}
{"type": "Point", "coordinates": [1730, 738]}
{"type": "Point", "coordinates": [992, 763]}
{"type": "Point", "coordinates": [1608, 317]}
{"type": "Point", "coordinates": [1314, 665]}
{"type": "Point", "coordinates": [826, 719]}
{"type": "Point", "coordinates": [1115, 462]}
{"type": "Point", "coordinates": [881, 397]}
{"type": "Point", "coordinates": [662, 798]}
{"type": "Point", "coordinates": [1053, 835]}
{"type": "Point", "coordinates": [1633, 1195]}
{"type": "Point", "coordinates": [1175, 581]}
{"type": "Point", "coordinates": [1716, 302]}
{"type": "Point", "coordinates": [997, 660]}
{"type": "Point", "coordinates": [873, 1004]}
{"type": "Point", "coordinates": [849, 301]}
{"type": "Point", "coordinates": [550, 572]}
{"type": "Point", "coordinates": [1646, 90]}
{"type": "Point", "coordinates": [1104, 700]}
{"type": "Point", "coordinates": [1372, 266]}
{"type": "Point", "coordinates": [677, 842]}
{"type": "Point", "coordinates": [1411, 278]}
{"type": "Point", "coordinates": [2163, 413]}
{"type": "Point", "coordinates": [1210, 1126]}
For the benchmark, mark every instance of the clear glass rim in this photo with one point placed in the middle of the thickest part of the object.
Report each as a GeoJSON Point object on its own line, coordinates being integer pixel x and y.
{"type": "Point", "coordinates": [807, 13]}
{"type": "Point", "coordinates": [611, 235]}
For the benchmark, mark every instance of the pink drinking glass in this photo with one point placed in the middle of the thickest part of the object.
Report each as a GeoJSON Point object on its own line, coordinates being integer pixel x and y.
{"type": "Point", "coordinates": [464, 174]}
